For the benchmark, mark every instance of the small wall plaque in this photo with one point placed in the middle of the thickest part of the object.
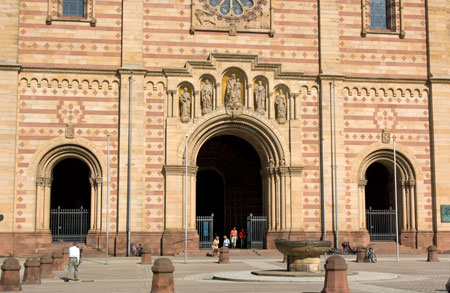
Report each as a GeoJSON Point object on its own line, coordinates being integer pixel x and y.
{"type": "Point", "coordinates": [70, 131]}
{"type": "Point", "coordinates": [445, 213]}
{"type": "Point", "coordinates": [385, 136]}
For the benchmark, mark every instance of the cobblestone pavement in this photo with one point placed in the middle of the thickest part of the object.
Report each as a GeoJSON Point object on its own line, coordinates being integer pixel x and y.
{"type": "Point", "coordinates": [411, 274]}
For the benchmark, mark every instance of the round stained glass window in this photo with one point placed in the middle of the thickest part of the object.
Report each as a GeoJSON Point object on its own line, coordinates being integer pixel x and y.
{"type": "Point", "coordinates": [234, 9]}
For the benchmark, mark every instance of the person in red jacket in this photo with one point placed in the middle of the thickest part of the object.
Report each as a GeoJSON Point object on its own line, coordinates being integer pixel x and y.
{"type": "Point", "coordinates": [242, 237]}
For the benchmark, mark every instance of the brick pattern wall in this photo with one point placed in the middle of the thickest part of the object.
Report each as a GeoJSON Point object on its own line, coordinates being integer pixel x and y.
{"type": "Point", "coordinates": [404, 112]}
{"type": "Point", "coordinates": [383, 55]}
{"type": "Point", "coordinates": [309, 114]}
{"type": "Point", "coordinates": [154, 158]}
{"type": "Point", "coordinates": [44, 109]}
{"type": "Point", "coordinates": [70, 43]}
{"type": "Point", "coordinates": [168, 43]}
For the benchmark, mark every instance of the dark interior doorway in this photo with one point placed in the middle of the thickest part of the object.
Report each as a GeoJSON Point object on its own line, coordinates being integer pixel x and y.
{"type": "Point", "coordinates": [70, 202]}
{"type": "Point", "coordinates": [229, 183]}
{"type": "Point", "coordinates": [379, 188]}
{"type": "Point", "coordinates": [71, 188]}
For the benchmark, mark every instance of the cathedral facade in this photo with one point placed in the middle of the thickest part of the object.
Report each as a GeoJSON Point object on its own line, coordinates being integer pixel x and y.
{"type": "Point", "coordinates": [143, 117]}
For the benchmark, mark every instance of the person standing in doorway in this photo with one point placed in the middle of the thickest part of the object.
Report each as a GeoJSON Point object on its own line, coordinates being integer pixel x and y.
{"type": "Point", "coordinates": [242, 237]}
{"type": "Point", "coordinates": [74, 261]}
{"type": "Point", "coordinates": [233, 237]}
{"type": "Point", "coordinates": [226, 241]}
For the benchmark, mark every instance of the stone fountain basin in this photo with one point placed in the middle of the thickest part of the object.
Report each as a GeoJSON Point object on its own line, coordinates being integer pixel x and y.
{"type": "Point", "coordinates": [303, 249]}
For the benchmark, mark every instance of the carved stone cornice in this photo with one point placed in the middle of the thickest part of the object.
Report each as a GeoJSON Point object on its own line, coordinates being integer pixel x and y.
{"type": "Point", "coordinates": [10, 67]}
{"type": "Point", "coordinates": [179, 170]}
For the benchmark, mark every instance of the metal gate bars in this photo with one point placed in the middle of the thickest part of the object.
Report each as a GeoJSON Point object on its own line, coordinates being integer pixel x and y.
{"type": "Point", "coordinates": [381, 224]}
{"type": "Point", "coordinates": [205, 228]}
{"type": "Point", "coordinates": [256, 230]}
{"type": "Point", "coordinates": [69, 224]}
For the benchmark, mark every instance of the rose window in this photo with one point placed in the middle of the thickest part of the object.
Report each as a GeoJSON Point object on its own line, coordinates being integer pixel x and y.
{"type": "Point", "coordinates": [235, 9]}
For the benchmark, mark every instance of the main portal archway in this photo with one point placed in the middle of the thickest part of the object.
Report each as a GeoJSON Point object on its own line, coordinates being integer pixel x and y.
{"type": "Point", "coordinates": [229, 182]}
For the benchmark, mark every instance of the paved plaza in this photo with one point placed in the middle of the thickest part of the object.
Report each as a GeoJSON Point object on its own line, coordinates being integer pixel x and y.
{"type": "Point", "coordinates": [122, 274]}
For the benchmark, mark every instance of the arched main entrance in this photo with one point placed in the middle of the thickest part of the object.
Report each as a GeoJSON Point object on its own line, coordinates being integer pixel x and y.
{"type": "Point", "coordinates": [377, 190]}
{"type": "Point", "coordinates": [228, 183]}
{"type": "Point", "coordinates": [68, 178]}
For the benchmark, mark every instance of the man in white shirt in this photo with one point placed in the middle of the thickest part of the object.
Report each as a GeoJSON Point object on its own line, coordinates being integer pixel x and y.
{"type": "Point", "coordinates": [74, 261]}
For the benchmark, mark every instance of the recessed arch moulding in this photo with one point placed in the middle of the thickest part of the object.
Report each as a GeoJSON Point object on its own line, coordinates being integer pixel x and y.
{"type": "Point", "coordinates": [236, 109]}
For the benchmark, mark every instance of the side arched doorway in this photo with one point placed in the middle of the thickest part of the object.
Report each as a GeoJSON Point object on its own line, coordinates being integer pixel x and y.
{"type": "Point", "coordinates": [68, 193]}
{"type": "Point", "coordinates": [70, 202]}
{"type": "Point", "coordinates": [229, 183]}
{"type": "Point", "coordinates": [378, 197]}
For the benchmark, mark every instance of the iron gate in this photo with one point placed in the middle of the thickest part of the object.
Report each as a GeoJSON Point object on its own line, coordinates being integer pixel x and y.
{"type": "Point", "coordinates": [69, 224]}
{"type": "Point", "coordinates": [256, 230]}
{"type": "Point", "coordinates": [205, 229]}
{"type": "Point", "coordinates": [381, 224]}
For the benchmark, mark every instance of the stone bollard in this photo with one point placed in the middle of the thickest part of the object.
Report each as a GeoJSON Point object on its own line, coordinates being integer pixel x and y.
{"type": "Point", "coordinates": [146, 256]}
{"type": "Point", "coordinates": [32, 273]}
{"type": "Point", "coordinates": [360, 254]}
{"type": "Point", "coordinates": [10, 280]}
{"type": "Point", "coordinates": [46, 267]}
{"type": "Point", "coordinates": [65, 252]}
{"type": "Point", "coordinates": [335, 275]}
{"type": "Point", "coordinates": [224, 255]}
{"type": "Point", "coordinates": [163, 276]}
{"type": "Point", "coordinates": [58, 262]}
{"type": "Point", "coordinates": [432, 254]}
{"type": "Point", "coordinates": [447, 286]}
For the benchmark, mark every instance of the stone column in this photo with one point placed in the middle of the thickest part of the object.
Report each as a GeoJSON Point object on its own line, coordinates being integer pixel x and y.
{"type": "Point", "coordinates": [41, 212]}
{"type": "Point", "coordinates": [412, 196]}
{"type": "Point", "coordinates": [362, 203]}
{"type": "Point", "coordinates": [405, 212]}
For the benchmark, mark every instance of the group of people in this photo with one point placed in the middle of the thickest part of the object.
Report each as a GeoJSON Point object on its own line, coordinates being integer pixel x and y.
{"type": "Point", "coordinates": [230, 244]}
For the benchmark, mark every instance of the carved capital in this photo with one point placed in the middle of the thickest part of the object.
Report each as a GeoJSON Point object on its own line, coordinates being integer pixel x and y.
{"type": "Point", "coordinates": [178, 170]}
{"type": "Point", "coordinates": [44, 182]}
{"type": "Point", "coordinates": [362, 182]}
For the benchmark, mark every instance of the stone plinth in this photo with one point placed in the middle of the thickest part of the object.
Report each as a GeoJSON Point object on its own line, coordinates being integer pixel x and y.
{"type": "Point", "coordinates": [65, 252]}
{"type": "Point", "coordinates": [46, 267]}
{"type": "Point", "coordinates": [303, 256]}
{"type": "Point", "coordinates": [146, 256]}
{"type": "Point", "coordinates": [58, 261]}
{"type": "Point", "coordinates": [432, 254]}
{"type": "Point", "coordinates": [10, 280]}
{"type": "Point", "coordinates": [360, 254]}
{"type": "Point", "coordinates": [224, 255]}
{"type": "Point", "coordinates": [163, 276]}
{"type": "Point", "coordinates": [336, 275]}
{"type": "Point", "coordinates": [32, 273]}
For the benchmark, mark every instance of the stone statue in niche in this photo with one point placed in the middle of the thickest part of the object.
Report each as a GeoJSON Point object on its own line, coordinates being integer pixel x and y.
{"type": "Point", "coordinates": [260, 98]}
{"type": "Point", "coordinates": [233, 93]}
{"type": "Point", "coordinates": [280, 103]}
{"type": "Point", "coordinates": [185, 105]}
{"type": "Point", "coordinates": [206, 94]}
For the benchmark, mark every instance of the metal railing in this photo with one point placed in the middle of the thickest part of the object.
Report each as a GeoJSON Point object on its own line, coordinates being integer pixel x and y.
{"type": "Point", "coordinates": [256, 231]}
{"type": "Point", "coordinates": [205, 229]}
{"type": "Point", "coordinates": [381, 224]}
{"type": "Point", "coordinates": [69, 224]}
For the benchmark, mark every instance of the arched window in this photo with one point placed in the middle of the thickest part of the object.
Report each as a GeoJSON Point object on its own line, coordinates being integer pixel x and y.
{"type": "Point", "coordinates": [73, 8]}
{"type": "Point", "coordinates": [379, 14]}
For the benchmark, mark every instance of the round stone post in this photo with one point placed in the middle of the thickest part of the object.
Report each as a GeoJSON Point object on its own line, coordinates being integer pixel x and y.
{"type": "Point", "coordinates": [336, 275]}
{"type": "Point", "coordinates": [163, 276]}
{"type": "Point", "coordinates": [10, 280]}
{"type": "Point", "coordinates": [146, 256]}
{"type": "Point", "coordinates": [432, 254]}
{"type": "Point", "coordinates": [65, 252]}
{"type": "Point", "coordinates": [360, 254]}
{"type": "Point", "coordinates": [58, 262]}
{"type": "Point", "coordinates": [32, 273]}
{"type": "Point", "coordinates": [224, 255]}
{"type": "Point", "coordinates": [46, 267]}
{"type": "Point", "coordinates": [447, 286]}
